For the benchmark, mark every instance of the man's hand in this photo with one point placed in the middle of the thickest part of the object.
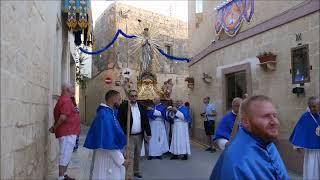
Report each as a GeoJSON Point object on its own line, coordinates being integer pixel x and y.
{"type": "Point", "coordinates": [148, 138]}
{"type": "Point", "coordinates": [126, 163]}
{"type": "Point", "coordinates": [51, 129]}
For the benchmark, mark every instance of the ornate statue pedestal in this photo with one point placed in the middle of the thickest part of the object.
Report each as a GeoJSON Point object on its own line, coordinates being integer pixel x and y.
{"type": "Point", "coordinates": [148, 90]}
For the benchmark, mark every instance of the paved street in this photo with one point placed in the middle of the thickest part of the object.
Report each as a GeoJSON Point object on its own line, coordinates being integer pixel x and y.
{"type": "Point", "coordinates": [198, 167]}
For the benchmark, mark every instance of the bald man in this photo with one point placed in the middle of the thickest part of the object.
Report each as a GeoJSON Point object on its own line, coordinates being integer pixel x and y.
{"type": "Point", "coordinates": [306, 138]}
{"type": "Point", "coordinates": [158, 144]}
{"type": "Point", "coordinates": [223, 132]}
{"type": "Point", "coordinates": [180, 144]}
{"type": "Point", "coordinates": [66, 127]}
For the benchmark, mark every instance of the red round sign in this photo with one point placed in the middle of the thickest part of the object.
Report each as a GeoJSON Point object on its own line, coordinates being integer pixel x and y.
{"type": "Point", "coordinates": [108, 80]}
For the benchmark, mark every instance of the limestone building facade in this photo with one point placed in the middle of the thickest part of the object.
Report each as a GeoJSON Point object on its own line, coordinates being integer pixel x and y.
{"type": "Point", "coordinates": [35, 60]}
{"type": "Point", "coordinates": [277, 27]}
{"type": "Point", "coordinates": [171, 35]}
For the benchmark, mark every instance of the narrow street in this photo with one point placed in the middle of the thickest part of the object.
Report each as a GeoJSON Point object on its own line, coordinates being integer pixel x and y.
{"type": "Point", "coordinates": [198, 167]}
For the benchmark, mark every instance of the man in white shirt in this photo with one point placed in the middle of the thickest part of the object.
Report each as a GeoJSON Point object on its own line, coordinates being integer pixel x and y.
{"type": "Point", "coordinates": [139, 127]}
{"type": "Point", "coordinates": [209, 114]}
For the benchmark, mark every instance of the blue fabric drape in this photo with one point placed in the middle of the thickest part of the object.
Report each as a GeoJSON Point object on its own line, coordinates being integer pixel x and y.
{"type": "Point", "coordinates": [120, 32]}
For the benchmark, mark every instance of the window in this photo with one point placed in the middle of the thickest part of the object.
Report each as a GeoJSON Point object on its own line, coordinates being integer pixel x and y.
{"type": "Point", "coordinates": [199, 6]}
{"type": "Point", "coordinates": [300, 64]}
{"type": "Point", "coordinates": [168, 49]}
{"type": "Point", "coordinates": [236, 86]}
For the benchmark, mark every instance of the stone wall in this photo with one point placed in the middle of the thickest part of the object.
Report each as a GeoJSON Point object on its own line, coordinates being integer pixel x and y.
{"type": "Point", "coordinates": [33, 64]}
{"type": "Point", "coordinates": [170, 31]}
{"type": "Point", "coordinates": [202, 36]}
{"type": "Point", "coordinates": [275, 84]}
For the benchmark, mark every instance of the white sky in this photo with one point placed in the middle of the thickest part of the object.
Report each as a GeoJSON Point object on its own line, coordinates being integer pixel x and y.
{"type": "Point", "coordinates": [179, 9]}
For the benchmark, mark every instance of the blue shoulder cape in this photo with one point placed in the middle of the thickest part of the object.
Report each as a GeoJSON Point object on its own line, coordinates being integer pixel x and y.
{"type": "Point", "coordinates": [105, 131]}
{"type": "Point", "coordinates": [225, 126]}
{"type": "Point", "coordinates": [160, 107]}
{"type": "Point", "coordinates": [185, 111]}
{"type": "Point", "coordinates": [248, 157]}
{"type": "Point", "coordinates": [304, 134]}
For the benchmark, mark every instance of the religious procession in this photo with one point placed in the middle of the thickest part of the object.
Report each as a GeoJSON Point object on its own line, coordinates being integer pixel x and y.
{"type": "Point", "coordinates": [160, 90]}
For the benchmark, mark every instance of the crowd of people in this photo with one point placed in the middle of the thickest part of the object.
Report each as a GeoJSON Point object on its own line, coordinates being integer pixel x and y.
{"type": "Point", "coordinates": [246, 135]}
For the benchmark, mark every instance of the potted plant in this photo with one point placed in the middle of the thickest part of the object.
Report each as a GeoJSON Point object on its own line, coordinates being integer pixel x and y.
{"type": "Point", "coordinates": [190, 81]}
{"type": "Point", "coordinates": [266, 57]}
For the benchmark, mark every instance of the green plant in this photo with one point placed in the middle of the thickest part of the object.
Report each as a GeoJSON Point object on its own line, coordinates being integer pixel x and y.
{"type": "Point", "coordinates": [81, 79]}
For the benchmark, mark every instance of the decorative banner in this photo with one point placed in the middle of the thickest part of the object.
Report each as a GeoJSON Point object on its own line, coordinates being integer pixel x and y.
{"type": "Point", "coordinates": [231, 15]}
{"type": "Point", "coordinates": [83, 23]}
{"type": "Point", "coordinates": [72, 7]}
{"type": "Point", "coordinates": [71, 21]}
{"type": "Point", "coordinates": [130, 37]}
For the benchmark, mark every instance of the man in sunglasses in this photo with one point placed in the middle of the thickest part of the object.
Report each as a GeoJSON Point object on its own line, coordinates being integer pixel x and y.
{"type": "Point", "coordinates": [139, 126]}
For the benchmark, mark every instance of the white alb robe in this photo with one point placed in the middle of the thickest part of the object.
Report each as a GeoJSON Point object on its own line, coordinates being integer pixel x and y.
{"type": "Point", "coordinates": [311, 163]}
{"type": "Point", "coordinates": [108, 165]}
{"type": "Point", "coordinates": [221, 143]}
{"type": "Point", "coordinates": [168, 128]}
{"type": "Point", "coordinates": [158, 143]}
{"type": "Point", "coordinates": [180, 143]}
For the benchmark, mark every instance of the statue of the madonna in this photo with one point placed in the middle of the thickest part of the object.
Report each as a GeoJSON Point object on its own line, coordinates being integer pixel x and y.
{"type": "Point", "coordinates": [147, 54]}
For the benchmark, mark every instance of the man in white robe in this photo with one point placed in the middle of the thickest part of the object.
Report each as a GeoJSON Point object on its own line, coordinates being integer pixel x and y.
{"type": "Point", "coordinates": [107, 139]}
{"type": "Point", "coordinates": [158, 143]}
{"type": "Point", "coordinates": [180, 144]}
{"type": "Point", "coordinates": [306, 137]}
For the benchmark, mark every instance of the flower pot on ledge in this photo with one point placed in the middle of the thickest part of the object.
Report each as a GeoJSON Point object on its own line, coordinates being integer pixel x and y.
{"type": "Point", "coordinates": [268, 61]}
{"type": "Point", "coordinates": [190, 81]}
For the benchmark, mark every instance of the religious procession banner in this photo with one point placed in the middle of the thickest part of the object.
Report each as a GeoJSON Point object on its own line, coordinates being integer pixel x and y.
{"type": "Point", "coordinates": [77, 11]}
{"type": "Point", "coordinates": [231, 15]}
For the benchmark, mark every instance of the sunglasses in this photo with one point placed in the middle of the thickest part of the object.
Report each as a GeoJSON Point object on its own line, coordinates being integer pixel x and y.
{"type": "Point", "coordinates": [133, 95]}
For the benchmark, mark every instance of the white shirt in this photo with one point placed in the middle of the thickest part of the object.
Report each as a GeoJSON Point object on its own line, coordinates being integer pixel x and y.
{"type": "Point", "coordinates": [208, 109]}
{"type": "Point", "coordinates": [136, 119]}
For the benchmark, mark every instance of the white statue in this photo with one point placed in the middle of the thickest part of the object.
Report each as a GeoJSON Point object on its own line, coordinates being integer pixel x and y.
{"type": "Point", "coordinates": [147, 54]}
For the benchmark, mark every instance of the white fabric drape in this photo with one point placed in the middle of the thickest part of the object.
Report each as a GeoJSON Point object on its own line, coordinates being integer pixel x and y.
{"type": "Point", "coordinates": [158, 143]}
{"type": "Point", "coordinates": [180, 143]}
{"type": "Point", "coordinates": [311, 165]}
{"type": "Point", "coordinates": [108, 165]}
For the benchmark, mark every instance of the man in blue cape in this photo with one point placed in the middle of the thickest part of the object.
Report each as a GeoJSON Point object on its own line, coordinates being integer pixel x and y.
{"type": "Point", "coordinates": [223, 132]}
{"type": "Point", "coordinates": [107, 139]}
{"type": "Point", "coordinates": [306, 137]}
{"type": "Point", "coordinates": [252, 153]}
{"type": "Point", "coordinates": [180, 144]}
{"type": "Point", "coordinates": [158, 143]}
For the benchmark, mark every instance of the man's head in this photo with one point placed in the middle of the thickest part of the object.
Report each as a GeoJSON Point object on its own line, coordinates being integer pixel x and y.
{"type": "Point", "coordinates": [176, 103]}
{"type": "Point", "coordinates": [236, 104]}
{"type": "Point", "coordinates": [313, 103]}
{"type": "Point", "coordinates": [156, 100]}
{"type": "Point", "coordinates": [67, 90]}
{"type": "Point", "coordinates": [245, 96]}
{"type": "Point", "coordinates": [113, 98]}
{"type": "Point", "coordinates": [206, 100]}
{"type": "Point", "coordinates": [259, 116]}
{"type": "Point", "coordinates": [133, 95]}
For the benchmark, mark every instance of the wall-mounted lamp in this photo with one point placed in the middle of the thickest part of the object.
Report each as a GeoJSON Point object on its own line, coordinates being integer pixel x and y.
{"type": "Point", "coordinates": [206, 78]}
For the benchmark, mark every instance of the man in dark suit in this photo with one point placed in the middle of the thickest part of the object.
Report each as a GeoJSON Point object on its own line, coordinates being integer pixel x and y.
{"type": "Point", "coordinates": [139, 126]}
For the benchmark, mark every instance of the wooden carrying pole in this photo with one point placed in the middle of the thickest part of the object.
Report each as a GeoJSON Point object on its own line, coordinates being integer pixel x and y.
{"type": "Point", "coordinates": [128, 138]}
